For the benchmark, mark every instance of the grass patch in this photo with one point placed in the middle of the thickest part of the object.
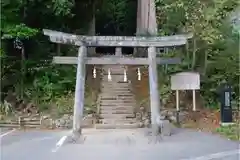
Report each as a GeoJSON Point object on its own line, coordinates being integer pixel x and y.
{"type": "Point", "coordinates": [231, 131]}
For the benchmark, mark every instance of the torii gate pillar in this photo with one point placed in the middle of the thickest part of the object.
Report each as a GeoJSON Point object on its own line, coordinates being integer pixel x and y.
{"type": "Point", "coordinates": [79, 90]}
{"type": "Point", "coordinates": [153, 86]}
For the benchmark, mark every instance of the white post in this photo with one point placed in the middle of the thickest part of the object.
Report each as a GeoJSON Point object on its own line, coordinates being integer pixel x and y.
{"type": "Point", "coordinates": [194, 100]}
{"type": "Point", "coordinates": [109, 75]}
{"type": "Point", "coordinates": [79, 90]}
{"type": "Point", "coordinates": [94, 72]}
{"type": "Point", "coordinates": [177, 100]}
{"type": "Point", "coordinates": [125, 76]}
{"type": "Point", "coordinates": [139, 74]}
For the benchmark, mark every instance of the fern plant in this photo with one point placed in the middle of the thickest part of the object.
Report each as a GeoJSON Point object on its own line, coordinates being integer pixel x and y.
{"type": "Point", "coordinates": [5, 108]}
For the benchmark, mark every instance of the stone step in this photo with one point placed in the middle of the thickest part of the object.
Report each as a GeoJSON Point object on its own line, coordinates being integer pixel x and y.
{"type": "Point", "coordinates": [117, 121]}
{"type": "Point", "coordinates": [113, 70]}
{"type": "Point", "coordinates": [114, 79]}
{"type": "Point", "coordinates": [116, 86]}
{"type": "Point", "coordinates": [116, 116]}
{"type": "Point", "coordinates": [113, 67]}
{"type": "Point", "coordinates": [107, 82]}
{"type": "Point", "coordinates": [115, 74]}
{"type": "Point", "coordinates": [114, 82]}
{"type": "Point", "coordinates": [116, 96]}
{"type": "Point", "coordinates": [117, 93]}
{"type": "Point", "coordinates": [122, 82]}
{"type": "Point", "coordinates": [128, 94]}
{"type": "Point", "coordinates": [116, 107]}
{"type": "Point", "coordinates": [129, 110]}
{"type": "Point", "coordinates": [129, 99]}
{"type": "Point", "coordinates": [110, 91]}
{"type": "Point", "coordinates": [117, 99]}
{"type": "Point", "coordinates": [120, 70]}
{"type": "Point", "coordinates": [108, 111]}
{"type": "Point", "coordinates": [125, 95]}
{"type": "Point", "coordinates": [117, 126]}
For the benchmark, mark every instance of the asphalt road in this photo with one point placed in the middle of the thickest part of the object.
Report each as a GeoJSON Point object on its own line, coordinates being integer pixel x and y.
{"type": "Point", "coordinates": [117, 145]}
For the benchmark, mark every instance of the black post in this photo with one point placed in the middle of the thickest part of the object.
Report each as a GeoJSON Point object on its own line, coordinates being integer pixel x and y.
{"type": "Point", "coordinates": [226, 107]}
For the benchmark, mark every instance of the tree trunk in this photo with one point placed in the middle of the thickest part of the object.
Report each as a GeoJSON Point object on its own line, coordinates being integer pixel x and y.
{"type": "Point", "coordinates": [92, 30]}
{"type": "Point", "coordinates": [194, 53]}
{"type": "Point", "coordinates": [205, 62]}
{"type": "Point", "coordinates": [146, 21]}
{"type": "Point", "coordinates": [22, 71]}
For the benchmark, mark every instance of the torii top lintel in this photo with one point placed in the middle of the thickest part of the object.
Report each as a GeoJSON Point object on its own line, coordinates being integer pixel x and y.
{"type": "Point", "coordinates": [116, 41]}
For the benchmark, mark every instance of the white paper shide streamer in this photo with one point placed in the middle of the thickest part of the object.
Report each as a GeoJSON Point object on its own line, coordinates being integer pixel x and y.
{"type": "Point", "coordinates": [125, 76]}
{"type": "Point", "coordinates": [94, 73]}
{"type": "Point", "coordinates": [139, 74]}
{"type": "Point", "coordinates": [109, 75]}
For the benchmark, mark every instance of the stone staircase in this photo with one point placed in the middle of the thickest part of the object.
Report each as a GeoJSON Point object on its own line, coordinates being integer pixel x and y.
{"type": "Point", "coordinates": [116, 101]}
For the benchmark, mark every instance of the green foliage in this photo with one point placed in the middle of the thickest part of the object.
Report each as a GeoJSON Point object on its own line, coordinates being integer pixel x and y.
{"type": "Point", "coordinates": [62, 7]}
{"type": "Point", "coordinates": [231, 131]}
{"type": "Point", "coordinates": [49, 82]}
{"type": "Point", "coordinates": [216, 49]}
{"type": "Point", "coordinates": [2, 53]}
{"type": "Point", "coordinates": [65, 103]}
{"type": "Point", "coordinates": [12, 25]}
{"type": "Point", "coordinates": [116, 14]}
{"type": "Point", "coordinates": [18, 31]}
{"type": "Point", "coordinates": [5, 108]}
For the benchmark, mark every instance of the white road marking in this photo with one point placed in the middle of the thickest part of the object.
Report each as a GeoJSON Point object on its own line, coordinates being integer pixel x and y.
{"type": "Point", "coordinates": [60, 143]}
{"type": "Point", "coordinates": [4, 134]}
{"type": "Point", "coordinates": [216, 155]}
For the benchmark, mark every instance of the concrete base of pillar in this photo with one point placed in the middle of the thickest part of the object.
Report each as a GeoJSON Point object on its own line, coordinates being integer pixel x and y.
{"type": "Point", "coordinates": [72, 137]}
{"type": "Point", "coordinates": [75, 137]}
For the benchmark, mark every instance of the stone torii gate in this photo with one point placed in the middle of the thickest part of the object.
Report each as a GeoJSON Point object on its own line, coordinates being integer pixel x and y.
{"type": "Point", "coordinates": [116, 41]}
